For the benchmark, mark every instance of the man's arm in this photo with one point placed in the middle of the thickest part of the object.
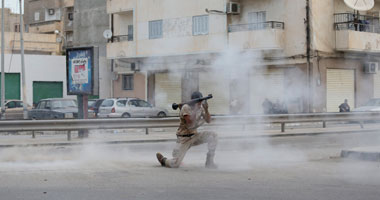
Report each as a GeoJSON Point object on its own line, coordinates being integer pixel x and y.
{"type": "Point", "coordinates": [207, 115]}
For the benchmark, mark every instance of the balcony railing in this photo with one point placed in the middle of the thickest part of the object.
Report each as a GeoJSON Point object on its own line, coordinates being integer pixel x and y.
{"type": "Point", "coordinates": [256, 26]}
{"type": "Point", "coordinates": [120, 38]}
{"type": "Point", "coordinates": [363, 23]}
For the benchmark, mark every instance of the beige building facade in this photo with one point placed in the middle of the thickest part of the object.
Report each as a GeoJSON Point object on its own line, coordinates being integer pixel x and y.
{"type": "Point", "coordinates": [51, 17]}
{"type": "Point", "coordinates": [303, 56]}
{"type": "Point", "coordinates": [34, 43]}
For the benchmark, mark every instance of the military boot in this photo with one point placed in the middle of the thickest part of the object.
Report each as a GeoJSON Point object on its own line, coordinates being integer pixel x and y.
{"type": "Point", "coordinates": [161, 159]}
{"type": "Point", "coordinates": [210, 161]}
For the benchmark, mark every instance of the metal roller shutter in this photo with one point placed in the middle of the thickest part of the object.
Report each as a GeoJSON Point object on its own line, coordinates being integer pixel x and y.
{"type": "Point", "coordinates": [12, 86]}
{"type": "Point", "coordinates": [340, 86]}
{"type": "Point", "coordinates": [212, 83]}
{"type": "Point", "coordinates": [43, 90]}
{"type": "Point", "coordinates": [167, 91]}
{"type": "Point", "coordinates": [265, 83]}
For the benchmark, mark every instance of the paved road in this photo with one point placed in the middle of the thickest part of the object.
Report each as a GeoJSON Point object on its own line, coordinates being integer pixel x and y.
{"type": "Point", "coordinates": [299, 167]}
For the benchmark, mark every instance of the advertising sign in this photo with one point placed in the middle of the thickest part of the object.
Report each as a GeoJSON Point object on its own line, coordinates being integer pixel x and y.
{"type": "Point", "coordinates": [80, 70]}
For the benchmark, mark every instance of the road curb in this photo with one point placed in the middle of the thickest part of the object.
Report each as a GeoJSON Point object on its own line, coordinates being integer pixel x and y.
{"type": "Point", "coordinates": [361, 155]}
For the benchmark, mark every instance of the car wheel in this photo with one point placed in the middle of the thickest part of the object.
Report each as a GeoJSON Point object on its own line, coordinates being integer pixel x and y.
{"type": "Point", "coordinates": [161, 114]}
{"type": "Point", "coordinates": [126, 115]}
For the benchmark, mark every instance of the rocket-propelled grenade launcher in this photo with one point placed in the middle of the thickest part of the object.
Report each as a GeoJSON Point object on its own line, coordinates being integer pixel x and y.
{"type": "Point", "coordinates": [193, 101]}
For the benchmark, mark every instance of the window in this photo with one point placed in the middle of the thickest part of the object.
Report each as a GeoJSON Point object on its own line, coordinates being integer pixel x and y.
{"type": "Point", "coordinates": [70, 16]}
{"type": "Point", "coordinates": [256, 20]}
{"type": "Point", "coordinates": [257, 17]}
{"type": "Point", "coordinates": [36, 16]}
{"type": "Point", "coordinates": [121, 103]}
{"type": "Point", "coordinates": [17, 28]}
{"type": "Point", "coordinates": [155, 29]}
{"type": "Point", "coordinates": [107, 103]}
{"type": "Point", "coordinates": [128, 82]}
{"type": "Point", "coordinates": [200, 25]}
{"type": "Point", "coordinates": [142, 103]}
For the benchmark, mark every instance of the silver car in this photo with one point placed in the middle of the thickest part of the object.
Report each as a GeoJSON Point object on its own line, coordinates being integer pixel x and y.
{"type": "Point", "coordinates": [129, 107]}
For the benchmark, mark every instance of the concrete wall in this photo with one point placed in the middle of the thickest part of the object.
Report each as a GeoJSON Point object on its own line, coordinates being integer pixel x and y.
{"type": "Point", "coordinates": [90, 21]}
{"type": "Point", "coordinates": [38, 68]}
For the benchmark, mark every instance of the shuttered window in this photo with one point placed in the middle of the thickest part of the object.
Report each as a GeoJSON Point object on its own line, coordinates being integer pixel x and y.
{"type": "Point", "coordinates": [155, 29]}
{"type": "Point", "coordinates": [128, 82]}
{"type": "Point", "coordinates": [257, 17]}
{"type": "Point", "coordinates": [200, 25]}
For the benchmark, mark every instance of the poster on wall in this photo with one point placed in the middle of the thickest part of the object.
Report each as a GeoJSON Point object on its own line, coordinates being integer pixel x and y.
{"type": "Point", "coordinates": [80, 70]}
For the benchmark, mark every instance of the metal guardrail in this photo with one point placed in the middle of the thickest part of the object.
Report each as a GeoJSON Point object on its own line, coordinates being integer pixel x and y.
{"type": "Point", "coordinates": [92, 124]}
{"type": "Point", "coordinates": [256, 26]}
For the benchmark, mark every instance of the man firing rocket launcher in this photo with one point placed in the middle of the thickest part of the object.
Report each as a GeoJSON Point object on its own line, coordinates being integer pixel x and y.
{"type": "Point", "coordinates": [192, 115]}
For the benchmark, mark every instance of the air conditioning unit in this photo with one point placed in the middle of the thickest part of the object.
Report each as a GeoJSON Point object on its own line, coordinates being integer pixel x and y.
{"type": "Point", "coordinates": [371, 67]}
{"type": "Point", "coordinates": [135, 67]}
{"type": "Point", "coordinates": [233, 8]}
{"type": "Point", "coordinates": [51, 11]}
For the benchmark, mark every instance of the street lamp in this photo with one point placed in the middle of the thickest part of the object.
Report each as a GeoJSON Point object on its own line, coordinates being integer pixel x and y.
{"type": "Point", "coordinates": [60, 39]}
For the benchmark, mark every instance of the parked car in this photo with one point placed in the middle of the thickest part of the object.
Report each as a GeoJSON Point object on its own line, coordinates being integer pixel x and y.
{"type": "Point", "coordinates": [129, 107]}
{"type": "Point", "coordinates": [14, 109]}
{"type": "Point", "coordinates": [94, 105]}
{"type": "Point", "coordinates": [371, 105]}
{"type": "Point", "coordinates": [55, 108]}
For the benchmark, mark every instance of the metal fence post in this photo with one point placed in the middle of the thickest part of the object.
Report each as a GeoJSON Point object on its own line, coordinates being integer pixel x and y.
{"type": "Point", "coordinates": [146, 131]}
{"type": "Point", "coordinates": [324, 124]}
{"type": "Point", "coordinates": [282, 127]}
{"type": "Point", "coordinates": [68, 135]}
{"type": "Point", "coordinates": [33, 134]}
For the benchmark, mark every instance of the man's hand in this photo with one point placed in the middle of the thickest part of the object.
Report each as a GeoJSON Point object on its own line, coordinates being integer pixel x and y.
{"type": "Point", "coordinates": [205, 105]}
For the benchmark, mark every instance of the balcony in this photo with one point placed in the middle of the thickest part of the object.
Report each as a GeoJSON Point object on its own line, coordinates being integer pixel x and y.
{"type": "Point", "coordinates": [357, 33]}
{"type": "Point", "coordinates": [115, 6]}
{"type": "Point", "coordinates": [121, 48]}
{"type": "Point", "coordinates": [257, 36]}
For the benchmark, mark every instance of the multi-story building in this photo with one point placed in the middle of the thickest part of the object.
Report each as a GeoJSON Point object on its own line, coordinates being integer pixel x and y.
{"type": "Point", "coordinates": [34, 43]}
{"type": "Point", "coordinates": [304, 55]}
{"type": "Point", "coordinates": [51, 17]}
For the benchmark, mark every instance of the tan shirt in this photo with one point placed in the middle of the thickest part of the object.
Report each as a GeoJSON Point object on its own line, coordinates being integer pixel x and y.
{"type": "Point", "coordinates": [197, 117]}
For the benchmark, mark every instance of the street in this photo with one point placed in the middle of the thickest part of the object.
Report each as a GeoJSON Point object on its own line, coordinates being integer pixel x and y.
{"type": "Point", "coordinates": [298, 167]}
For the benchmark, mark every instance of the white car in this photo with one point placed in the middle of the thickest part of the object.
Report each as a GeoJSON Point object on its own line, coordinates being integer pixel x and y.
{"type": "Point", "coordinates": [129, 107]}
{"type": "Point", "coordinates": [371, 105]}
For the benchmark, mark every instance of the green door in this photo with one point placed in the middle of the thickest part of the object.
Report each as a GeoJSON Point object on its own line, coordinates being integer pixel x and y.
{"type": "Point", "coordinates": [43, 90]}
{"type": "Point", "coordinates": [12, 86]}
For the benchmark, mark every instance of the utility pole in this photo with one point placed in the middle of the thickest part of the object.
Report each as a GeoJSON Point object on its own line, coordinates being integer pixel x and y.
{"type": "Point", "coordinates": [2, 62]}
{"type": "Point", "coordinates": [24, 100]}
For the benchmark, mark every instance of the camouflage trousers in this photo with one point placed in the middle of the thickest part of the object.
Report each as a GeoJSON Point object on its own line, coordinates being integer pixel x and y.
{"type": "Point", "coordinates": [184, 144]}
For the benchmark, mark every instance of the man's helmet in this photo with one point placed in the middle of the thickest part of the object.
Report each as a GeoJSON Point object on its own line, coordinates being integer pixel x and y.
{"type": "Point", "coordinates": [196, 95]}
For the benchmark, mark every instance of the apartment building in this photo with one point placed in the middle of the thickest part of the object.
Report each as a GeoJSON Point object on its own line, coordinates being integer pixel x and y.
{"type": "Point", "coordinates": [51, 17]}
{"type": "Point", "coordinates": [33, 43]}
{"type": "Point", "coordinates": [303, 55]}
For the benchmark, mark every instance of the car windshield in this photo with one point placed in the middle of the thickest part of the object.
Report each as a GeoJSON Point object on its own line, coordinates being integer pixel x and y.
{"type": "Point", "coordinates": [373, 102]}
{"type": "Point", "coordinates": [64, 104]}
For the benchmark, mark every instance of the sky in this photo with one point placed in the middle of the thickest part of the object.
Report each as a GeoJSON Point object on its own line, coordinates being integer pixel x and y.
{"type": "Point", "coordinates": [13, 5]}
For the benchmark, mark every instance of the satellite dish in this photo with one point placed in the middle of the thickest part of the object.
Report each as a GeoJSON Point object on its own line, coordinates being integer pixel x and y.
{"type": "Point", "coordinates": [58, 40]}
{"type": "Point", "coordinates": [360, 5]}
{"type": "Point", "coordinates": [107, 34]}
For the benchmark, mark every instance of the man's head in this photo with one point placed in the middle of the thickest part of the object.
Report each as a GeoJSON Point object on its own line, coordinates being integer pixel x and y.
{"type": "Point", "coordinates": [345, 101]}
{"type": "Point", "coordinates": [196, 95]}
